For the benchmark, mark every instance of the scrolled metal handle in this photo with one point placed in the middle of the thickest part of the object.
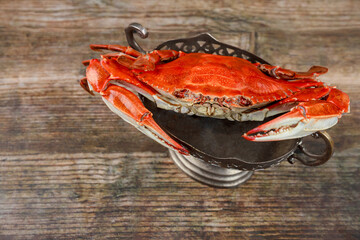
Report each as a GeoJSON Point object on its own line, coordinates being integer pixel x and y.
{"type": "Point", "coordinates": [140, 30]}
{"type": "Point", "coordinates": [317, 159]}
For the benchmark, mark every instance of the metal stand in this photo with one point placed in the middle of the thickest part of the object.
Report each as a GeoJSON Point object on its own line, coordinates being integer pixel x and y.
{"type": "Point", "coordinates": [223, 137]}
{"type": "Point", "coordinates": [210, 174]}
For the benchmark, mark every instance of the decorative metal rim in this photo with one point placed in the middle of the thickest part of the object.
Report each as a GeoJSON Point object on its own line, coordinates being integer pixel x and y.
{"type": "Point", "coordinates": [205, 43]}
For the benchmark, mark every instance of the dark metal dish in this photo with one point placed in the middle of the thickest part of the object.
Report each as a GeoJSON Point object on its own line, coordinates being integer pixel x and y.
{"type": "Point", "coordinates": [220, 142]}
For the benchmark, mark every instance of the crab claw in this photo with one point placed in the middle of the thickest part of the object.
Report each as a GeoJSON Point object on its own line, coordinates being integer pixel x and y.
{"type": "Point", "coordinates": [129, 107]}
{"type": "Point", "coordinates": [302, 120]}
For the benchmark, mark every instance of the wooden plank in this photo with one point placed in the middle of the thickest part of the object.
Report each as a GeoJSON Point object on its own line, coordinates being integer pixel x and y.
{"type": "Point", "coordinates": [219, 16]}
{"type": "Point", "coordinates": [71, 169]}
{"type": "Point", "coordinates": [114, 194]}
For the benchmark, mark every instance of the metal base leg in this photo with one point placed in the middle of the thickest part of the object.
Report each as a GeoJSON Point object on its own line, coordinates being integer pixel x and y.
{"type": "Point", "coordinates": [208, 174]}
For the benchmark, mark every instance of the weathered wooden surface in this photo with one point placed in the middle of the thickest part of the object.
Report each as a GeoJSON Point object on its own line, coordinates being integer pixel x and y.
{"type": "Point", "coordinates": [70, 169]}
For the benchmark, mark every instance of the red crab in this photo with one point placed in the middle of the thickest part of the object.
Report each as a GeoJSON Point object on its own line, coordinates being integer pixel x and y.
{"type": "Point", "coordinates": [213, 86]}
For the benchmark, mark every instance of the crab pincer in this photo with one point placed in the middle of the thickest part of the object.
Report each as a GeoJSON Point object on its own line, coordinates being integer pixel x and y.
{"type": "Point", "coordinates": [130, 108]}
{"type": "Point", "coordinates": [303, 119]}
{"type": "Point", "coordinates": [106, 78]}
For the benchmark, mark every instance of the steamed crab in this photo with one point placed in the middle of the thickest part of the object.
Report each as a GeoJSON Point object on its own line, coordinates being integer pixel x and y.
{"type": "Point", "coordinates": [213, 86]}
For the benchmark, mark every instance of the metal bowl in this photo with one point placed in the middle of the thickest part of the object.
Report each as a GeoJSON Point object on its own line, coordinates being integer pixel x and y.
{"type": "Point", "coordinates": [219, 143]}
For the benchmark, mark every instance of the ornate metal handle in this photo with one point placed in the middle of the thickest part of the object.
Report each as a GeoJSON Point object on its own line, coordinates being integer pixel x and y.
{"type": "Point", "coordinates": [140, 30]}
{"type": "Point", "coordinates": [316, 159]}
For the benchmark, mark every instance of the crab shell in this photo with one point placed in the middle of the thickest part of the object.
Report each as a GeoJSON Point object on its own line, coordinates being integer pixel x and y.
{"type": "Point", "coordinates": [214, 86]}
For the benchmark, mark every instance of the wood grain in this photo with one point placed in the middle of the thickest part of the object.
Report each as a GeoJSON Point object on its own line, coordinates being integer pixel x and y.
{"type": "Point", "coordinates": [144, 194]}
{"type": "Point", "coordinates": [70, 169]}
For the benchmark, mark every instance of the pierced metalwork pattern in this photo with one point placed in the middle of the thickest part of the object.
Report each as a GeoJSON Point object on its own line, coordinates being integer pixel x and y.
{"type": "Point", "coordinates": [206, 43]}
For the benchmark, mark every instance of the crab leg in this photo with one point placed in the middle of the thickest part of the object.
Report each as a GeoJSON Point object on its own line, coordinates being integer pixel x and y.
{"type": "Point", "coordinates": [148, 61]}
{"type": "Point", "coordinates": [124, 102]}
{"type": "Point", "coordinates": [145, 62]}
{"type": "Point", "coordinates": [286, 104]}
{"type": "Point", "coordinates": [305, 95]}
{"type": "Point", "coordinates": [84, 84]}
{"type": "Point", "coordinates": [340, 99]}
{"type": "Point", "coordinates": [130, 108]}
{"type": "Point", "coordinates": [117, 48]}
{"type": "Point", "coordinates": [123, 74]}
{"type": "Point", "coordinates": [304, 119]}
{"type": "Point", "coordinates": [100, 73]}
{"type": "Point", "coordinates": [286, 74]}
{"type": "Point", "coordinates": [307, 117]}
